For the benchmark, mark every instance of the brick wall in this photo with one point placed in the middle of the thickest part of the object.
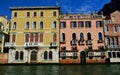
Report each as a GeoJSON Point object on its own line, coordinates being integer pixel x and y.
{"type": "Point", "coordinates": [3, 58]}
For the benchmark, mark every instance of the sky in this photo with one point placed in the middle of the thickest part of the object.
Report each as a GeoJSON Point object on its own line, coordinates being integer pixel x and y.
{"type": "Point", "coordinates": [67, 6]}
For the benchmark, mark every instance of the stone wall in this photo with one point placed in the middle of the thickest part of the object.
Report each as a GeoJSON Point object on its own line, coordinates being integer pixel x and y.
{"type": "Point", "coordinates": [3, 58]}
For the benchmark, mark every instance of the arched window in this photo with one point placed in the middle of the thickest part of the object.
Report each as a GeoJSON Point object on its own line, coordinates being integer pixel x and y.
{"type": "Point", "coordinates": [63, 36]}
{"type": "Point", "coordinates": [27, 25]}
{"type": "Point", "coordinates": [14, 25]}
{"type": "Point", "coordinates": [13, 38]}
{"type": "Point", "coordinates": [16, 55]}
{"type": "Point", "coordinates": [34, 25]}
{"type": "Point", "coordinates": [54, 37]}
{"type": "Point", "coordinates": [115, 40]}
{"type": "Point", "coordinates": [81, 36]}
{"type": "Point", "coordinates": [41, 14]}
{"type": "Point", "coordinates": [36, 37]}
{"type": "Point", "coordinates": [41, 37]}
{"type": "Point", "coordinates": [41, 25]}
{"type": "Point", "coordinates": [73, 36]}
{"type": "Point", "coordinates": [31, 37]}
{"type": "Point", "coordinates": [108, 41]}
{"type": "Point", "coordinates": [89, 36]}
{"type": "Point", "coordinates": [21, 55]}
{"type": "Point", "coordinates": [50, 55]}
{"type": "Point", "coordinates": [27, 38]}
{"type": "Point", "coordinates": [54, 24]}
{"type": "Point", "coordinates": [99, 36]}
{"type": "Point", "coordinates": [45, 55]}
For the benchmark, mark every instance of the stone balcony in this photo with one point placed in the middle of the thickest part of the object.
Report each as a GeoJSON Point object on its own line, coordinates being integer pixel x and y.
{"type": "Point", "coordinates": [10, 44]}
{"type": "Point", "coordinates": [113, 46]}
{"type": "Point", "coordinates": [33, 44]}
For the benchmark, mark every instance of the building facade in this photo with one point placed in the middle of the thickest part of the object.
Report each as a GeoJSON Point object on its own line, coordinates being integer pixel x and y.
{"type": "Point", "coordinates": [112, 36]}
{"type": "Point", "coordinates": [81, 35]}
{"type": "Point", "coordinates": [4, 33]}
{"type": "Point", "coordinates": [34, 36]}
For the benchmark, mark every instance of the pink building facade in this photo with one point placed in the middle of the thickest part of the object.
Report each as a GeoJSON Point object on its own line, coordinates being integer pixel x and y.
{"type": "Point", "coordinates": [79, 36]}
{"type": "Point", "coordinates": [112, 36]}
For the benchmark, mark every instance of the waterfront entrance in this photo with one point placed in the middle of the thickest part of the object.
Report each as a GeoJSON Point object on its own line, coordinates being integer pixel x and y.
{"type": "Point", "coordinates": [33, 57]}
{"type": "Point", "coordinates": [83, 57]}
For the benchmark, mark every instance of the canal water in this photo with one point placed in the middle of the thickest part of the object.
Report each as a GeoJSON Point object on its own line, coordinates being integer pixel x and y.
{"type": "Point", "coordinates": [101, 69]}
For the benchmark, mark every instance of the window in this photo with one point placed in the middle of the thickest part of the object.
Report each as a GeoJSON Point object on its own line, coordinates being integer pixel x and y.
{"type": "Point", "coordinates": [13, 38]}
{"type": "Point", "coordinates": [54, 37]}
{"type": "Point", "coordinates": [118, 54]}
{"type": "Point", "coordinates": [109, 54]}
{"type": "Point", "coordinates": [75, 55]}
{"type": "Point", "coordinates": [31, 37]}
{"type": "Point", "coordinates": [54, 24]}
{"type": "Point", "coordinates": [27, 25]}
{"type": "Point", "coordinates": [41, 14]}
{"type": "Point", "coordinates": [41, 37]}
{"type": "Point", "coordinates": [50, 55]}
{"type": "Point", "coordinates": [89, 36]}
{"type": "Point", "coordinates": [98, 24]}
{"type": "Point", "coordinates": [73, 24]}
{"type": "Point", "coordinates": [88, 24]}
{"type": "Point", "coordinates": [54, 13]}
{"type": "Point", "coordinates": [74, 48]}
{"type": "Point", "coordinates": [16, 55]}
{"type": "Point", "coordinates": [35, 14]}
{"type": "Point", "coordinates": [99, 36]}
{"type": "Point", "coordinates": [21, 55]}
{"type": "Point", "coordinates": [34, 25]}
{"type": "Point", "coordinates": [41, 25]}
{"type": "Point", "coordinates": [28, 14]}
{"type": "Point", "coordinates": [80, 24]}
{"type": "Point", "coordinates": [63, 37]}
{"type": "Point", "coordinates": [14, 25]}
{"type": "Point", "coordinates": [45, 55]}
{"type": "Point", "coordinates": [63, 48]}
{"type": "Point", "coordinates": [115, 28]}
{"type": "Point", "coordinates": [62, 24]}
{"type": "Point", "coordinates": [15, 14]}
{"type": "Point", "coordinates": [106, 29]}
{"type": "Point", "coordinates": [27, 38]}
{"type": "Point", "coordinates": [73, 36]}
{"type": "Point", "coordinates": [114, 54]}
{"type": "Point", "coordinates": [36, 37]}
{"type": "Point", "coordinates": [81, 36]}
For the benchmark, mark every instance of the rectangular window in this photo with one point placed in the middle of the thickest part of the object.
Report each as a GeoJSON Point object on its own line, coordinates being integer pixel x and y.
{"type": "Point", "coordinates": [98, 24]}
{"type": "Point", "coordinates": [88, 24]}
{"type": "Point", "coordinates": [54, 13]}
{"type": "Point", "coordinates": [106, 28]}
{"type": "Point", "coordinates": [35, 14]}
{"type": "Point", "coordinates": [115, 28]}
{"type": "Point", "coordinates": [119, 28]}
{"type": "Point", "coordinates": [63, 48]}
{"type": "Point", "coordinates": [28, 14]}
{"type": "Point", "coordinates": [15, 14]}
{"type": "Point", "coordinates": [80, 24]}
{"type": "Point", "coordinates": [62, 24]}
{"type": "Point", "coordinates": [41, 14]}
{"type": "Point", "coordinates": [73, 24]}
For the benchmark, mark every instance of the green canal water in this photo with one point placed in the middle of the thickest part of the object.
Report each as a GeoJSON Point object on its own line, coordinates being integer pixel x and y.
{"type": "Point", "coordinates": [101, 69]}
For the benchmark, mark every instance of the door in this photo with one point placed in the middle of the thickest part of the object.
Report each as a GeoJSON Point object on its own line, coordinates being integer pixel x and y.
{"type": "Point", "coordinates": [33, 56]}
{"type": "Point", "coordinates": [83, 57]}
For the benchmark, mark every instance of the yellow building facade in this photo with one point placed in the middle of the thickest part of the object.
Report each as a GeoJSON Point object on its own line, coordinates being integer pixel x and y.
{"type": "Point", "coordinates": [34, 36]}
{"type": "Point", "coordinates": [4, 33]}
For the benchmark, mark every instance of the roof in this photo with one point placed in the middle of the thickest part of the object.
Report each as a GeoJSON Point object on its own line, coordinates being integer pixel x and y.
{"type": "Point", "coordinates": [34, 8]}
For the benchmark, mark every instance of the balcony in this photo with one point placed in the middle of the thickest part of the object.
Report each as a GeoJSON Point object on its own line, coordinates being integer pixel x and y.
{"type": "Point", "coordinates": [81, 42]}
{"type": "Point", "coordinates": [33, 44]}
{"type": "Point", "coordinates": [10, 44]}
{"type": "Point", "coordinates": [62, 42]}
{"type": "Point", "coordinates": [89, 42]}
{"type": "Point", "coordinates": [74, 42]}
{"type": "Point", "coordinates": [113, 46]}
{"type": "Point", "coordinates": [100, 41]}
{"type": "Point", "coordinates": [53, 45]}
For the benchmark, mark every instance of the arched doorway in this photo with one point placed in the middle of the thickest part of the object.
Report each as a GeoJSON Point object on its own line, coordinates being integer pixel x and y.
{"type": "Point", "coordinates": [33, 56]}
{"type": "Point", "coordinates": [83, 57]}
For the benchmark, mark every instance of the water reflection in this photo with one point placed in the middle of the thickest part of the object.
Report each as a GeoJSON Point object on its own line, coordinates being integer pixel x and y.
{"type": "Point", "coordinates": [60, 70]}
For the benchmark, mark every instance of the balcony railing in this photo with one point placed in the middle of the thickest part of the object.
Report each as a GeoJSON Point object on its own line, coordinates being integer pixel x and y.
{"type": "Point", "coordinates": [89, 42]}
{"type": "Point", "coordinates": [33, 44]}
{"type": "Point", "coordinates": [10, 44]}
{"type": "Point", "coordinates": [113, 46]}
{"type": "Point", "coordinates": [74, 42]}
{"type": "Point", "coordinates": [81, 42]}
